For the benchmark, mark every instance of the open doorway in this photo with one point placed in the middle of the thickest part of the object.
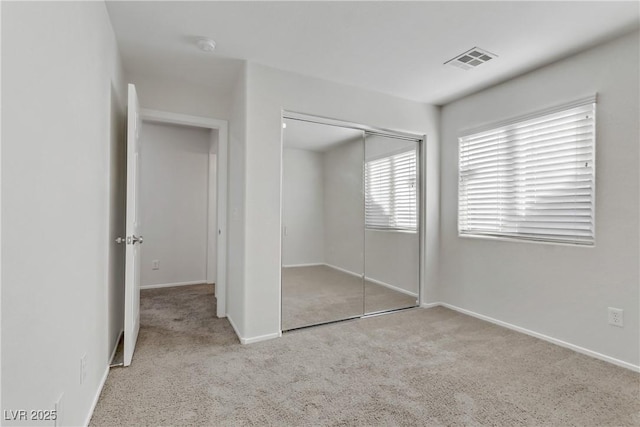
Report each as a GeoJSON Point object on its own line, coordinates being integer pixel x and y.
{"type": "Point", "coordinates": [176, 193]}
{"type": "Point", "coordinates": [178, 222]}
{"type": "Point", "coordinates": [177, 205]}
{"type": "Point", "coordinates": [217, 193]}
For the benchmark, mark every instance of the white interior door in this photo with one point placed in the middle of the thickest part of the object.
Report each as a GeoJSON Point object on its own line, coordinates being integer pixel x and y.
{"type": "Point", "coordinates": [133, 239]}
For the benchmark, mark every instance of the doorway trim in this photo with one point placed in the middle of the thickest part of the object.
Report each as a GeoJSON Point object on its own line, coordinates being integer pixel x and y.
{"type": "Point", "coordinates": [222, 139]}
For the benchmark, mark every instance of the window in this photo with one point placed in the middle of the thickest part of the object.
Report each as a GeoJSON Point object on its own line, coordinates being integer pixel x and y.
{"type": "Point", "coordinates": [532, 179]}
{"type": "Point", "coordinates": [390, 192]}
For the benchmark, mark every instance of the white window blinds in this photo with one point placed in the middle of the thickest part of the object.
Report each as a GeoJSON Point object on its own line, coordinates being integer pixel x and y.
{"type": "Point", "coordinates": [390, 192]}
{"type": "Point", "coordinates": [533, 179]}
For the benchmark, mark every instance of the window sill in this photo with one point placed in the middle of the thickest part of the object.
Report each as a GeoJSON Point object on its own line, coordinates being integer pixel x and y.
{"type": "Point", "coordinates": [391, 230]}
{"type": "Point", "coordinates": [526, 240]}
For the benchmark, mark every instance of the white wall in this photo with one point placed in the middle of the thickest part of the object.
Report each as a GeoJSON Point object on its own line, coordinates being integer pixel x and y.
{"type": "Point", "coordinates": [59, 64]}
{"type": "Point", "coordinates": [156, 93]}
{"type": "Point", "coordinates": [344, 207]}
{"type": "Point", "coordinates": [559, 291]}
{"type": "Point", "coordinates": [236, 310]}
{"type": "Point", "coordinates": [393, 258]}
{"type": "Point", "coordinates": [270, 91]}
{"type": "Point", "coordinates": [174, 175]}
{"type": "Point", "coordinates": [302, 207]}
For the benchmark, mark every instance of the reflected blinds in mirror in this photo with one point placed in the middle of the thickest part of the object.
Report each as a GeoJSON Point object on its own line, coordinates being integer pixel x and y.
{"type": "Point", "coordinates": [391, 192]}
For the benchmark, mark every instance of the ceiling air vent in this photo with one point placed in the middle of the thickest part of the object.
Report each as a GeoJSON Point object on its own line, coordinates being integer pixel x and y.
{"type": "Point", "coordinates": [471, 58]}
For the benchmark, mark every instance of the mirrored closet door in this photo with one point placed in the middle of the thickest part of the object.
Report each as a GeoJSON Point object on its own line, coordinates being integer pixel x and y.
{"type": "Point", "coordinates": [350, 223]}
{"type": "Point", "coordinates": [322, 224]}
{"type": "Point", "coordinates": [392, 243]}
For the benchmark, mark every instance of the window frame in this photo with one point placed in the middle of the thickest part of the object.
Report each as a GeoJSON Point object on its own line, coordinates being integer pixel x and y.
{"type": "Point", "coordinates": [505, 124]}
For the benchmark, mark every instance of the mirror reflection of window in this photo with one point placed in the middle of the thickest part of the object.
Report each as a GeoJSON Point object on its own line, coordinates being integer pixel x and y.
{"type": "Point", "coordinates": [391, 192]}
{"type": "Point", "coordinates": [392, 241]}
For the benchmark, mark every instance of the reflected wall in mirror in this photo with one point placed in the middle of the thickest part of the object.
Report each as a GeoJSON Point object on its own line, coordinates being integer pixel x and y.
{"type": "Point", "coordinates": [392, 238]}
{"type": "Point", "coordinates": [323, 224]}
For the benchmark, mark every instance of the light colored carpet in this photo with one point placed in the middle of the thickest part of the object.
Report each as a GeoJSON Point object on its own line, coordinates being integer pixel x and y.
{"type": "Point", "coordinates": [319, 294]}
{"type": "Point", "coordinates": [415, 367]}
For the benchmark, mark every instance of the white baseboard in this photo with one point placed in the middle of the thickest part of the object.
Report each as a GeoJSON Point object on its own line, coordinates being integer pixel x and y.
{"type": "Point", "coordinates": [312, 264]}
{"type": "Point", "coordinates": [252, 340]}
{"type": "Point", "coordinates": [94, 403]}
{"type": "Point", "coordinates": [171, 285]}
{"type": "Point", "coordinates": [561, 343]}
{"type": "Point", "coordinates": [335, 267]}
{"type": "Point", "coordinates": [259, 338]}
{"type": "Point", "coordinates": [392, 287]}
{"type": "Point", "coordinates": [103, 380]}
{"type": "Point", "coordinates": [377, 282]}
{"type": "Point", "coordinates": [430, 304]}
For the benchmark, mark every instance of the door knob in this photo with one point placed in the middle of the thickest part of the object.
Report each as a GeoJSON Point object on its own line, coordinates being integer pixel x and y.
{"type": "Point", "coordinates": [131, 240]}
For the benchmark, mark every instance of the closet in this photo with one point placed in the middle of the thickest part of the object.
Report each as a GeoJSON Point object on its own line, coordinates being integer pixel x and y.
{"type": "Point", "coordinates": [351, 214]}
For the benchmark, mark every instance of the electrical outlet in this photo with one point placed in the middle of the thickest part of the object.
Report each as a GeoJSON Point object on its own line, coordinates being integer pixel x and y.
{"type": "Point", "coordinates": [83, 368]}
{"type": "Point", "coordinates": [616, 317]}
{"type": "Point", "coordinates": [58, 408]}
{"type": "Point", "coordinates": [155, 264]}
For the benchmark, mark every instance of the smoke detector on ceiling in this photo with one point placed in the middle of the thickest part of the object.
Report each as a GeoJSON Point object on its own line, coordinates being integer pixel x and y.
{"type": "Point", "coordinates": [471, 58]}
{"type": "Point", "coordinates": [206, 45]}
